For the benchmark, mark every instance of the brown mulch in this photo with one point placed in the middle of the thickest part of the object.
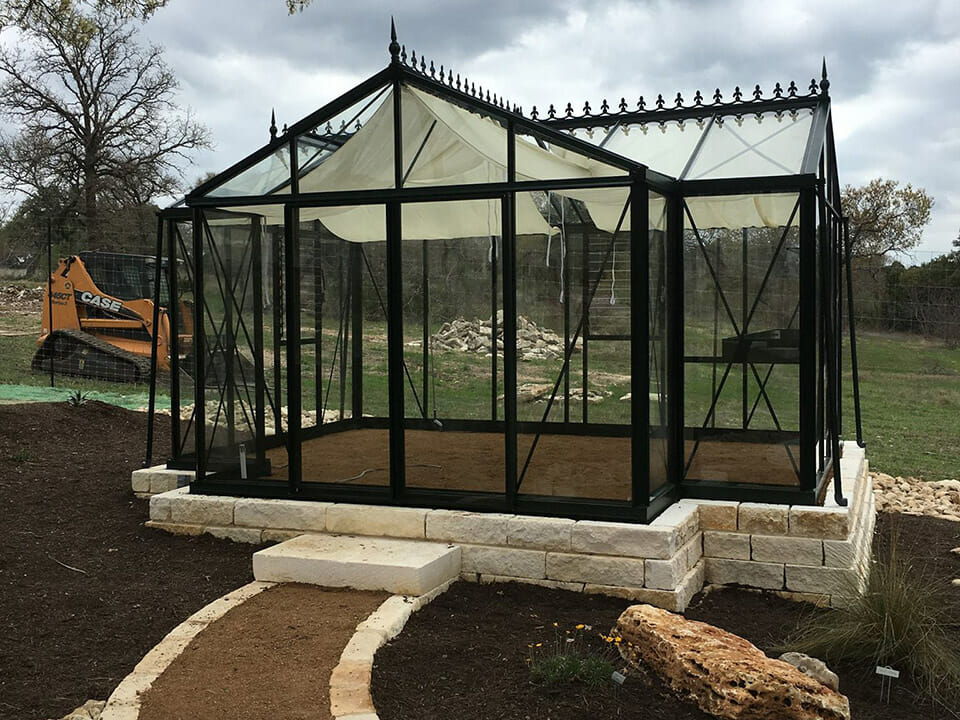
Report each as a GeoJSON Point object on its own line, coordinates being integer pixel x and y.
{"type": "Point", "coordinates": [464, 655]}
{"type": "Point", "coordinates": [270, 657]}
{"type": "Point", "coordinates": [68, 634]}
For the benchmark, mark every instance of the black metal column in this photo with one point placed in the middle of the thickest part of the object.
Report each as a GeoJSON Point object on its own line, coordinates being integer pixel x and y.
{"type": "Point", "coordinates": [808, 339]}
{"type": "Point", "coordinates": [278, 293]}
{"type": "Point", "coordinates": [259, 418]}
{"type": "Point", "coordinates": [199, 349]}
{"type": "Point", "coordinates": [228, 349]}
{"type": "Point", "coordinates": [425, 334]}
{"type": "Point", "coordinates": [291, 253]}
{"type": "Point", "coordinates": [675, 313]}
{"type": "Point", "coordinates": [395, 376]}
{"type": "Point", "coordinates": [639, 342]}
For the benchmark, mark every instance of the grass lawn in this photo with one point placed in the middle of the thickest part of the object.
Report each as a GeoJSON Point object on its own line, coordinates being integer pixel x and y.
{"type": "Point", "coordinates": [910, 390]}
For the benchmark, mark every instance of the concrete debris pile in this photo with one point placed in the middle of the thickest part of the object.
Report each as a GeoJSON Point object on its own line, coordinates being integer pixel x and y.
{"type": "Point", "coordinates": [540, 393]}
{"type": "Point", "coordinates": [474, 336]}
{"type": "Point", "coordinates": [916, 497]}
{"type": "Point", "coordinates": [21, 299]}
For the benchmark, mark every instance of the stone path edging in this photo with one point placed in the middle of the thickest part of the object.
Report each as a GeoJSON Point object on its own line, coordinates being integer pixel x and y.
{"type": "Point", "coordinates": [124, 702]}
{"type": "Point", "coordinates": [350, 697]}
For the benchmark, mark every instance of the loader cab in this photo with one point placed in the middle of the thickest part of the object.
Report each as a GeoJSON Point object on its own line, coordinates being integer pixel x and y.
{"type": "Point", "coordinates": [126, 277]}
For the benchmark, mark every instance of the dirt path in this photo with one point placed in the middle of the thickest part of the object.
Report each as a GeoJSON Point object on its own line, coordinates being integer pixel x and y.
{"type": "Point", "coordinates": [270, 657]}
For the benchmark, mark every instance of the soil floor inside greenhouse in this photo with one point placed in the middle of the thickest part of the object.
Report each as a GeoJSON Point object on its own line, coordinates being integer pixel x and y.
{"type": "Point", "coordinates": [574, 466]}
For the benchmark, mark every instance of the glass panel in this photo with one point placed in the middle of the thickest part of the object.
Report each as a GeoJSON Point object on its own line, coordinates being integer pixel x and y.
{"type": "Point", "coordinates": [573, 375]}
{"type": "Point", "coordinates": [541, 158]}
{"type": "Point", "coordinates": [229, 375]}
{"type": "Point", "coordinates": [270, 175]}
{"type": "Point", "coordinates": [664, 147]}
{"type": "Point", "coordinates": [185, 309]}
{"type": "Point", "coordinates": [741, 342]}
{"type": "Point", "coordinates": [353, 151]}
{"type": "Point", "coordinates": [453, 348]}
{"type": "Point", "coordinates": [753, 145]}
{"type": "Point", "coordinates": [343, 348]}
{"type": "Point", "coordinates": [444, 144]}
{"type": "Point", "coordinates": [657, 313]}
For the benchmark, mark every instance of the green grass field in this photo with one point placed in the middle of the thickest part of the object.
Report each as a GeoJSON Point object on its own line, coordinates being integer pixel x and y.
{"type": "Point", "coordinates": [910, 391]}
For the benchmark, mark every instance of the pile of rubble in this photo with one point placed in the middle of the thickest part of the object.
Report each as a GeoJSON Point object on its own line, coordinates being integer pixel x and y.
{"type": "Point", "coordinates": [540, 393]}
{"type": "Point", "coordinates": [308, 418]}
{"type": "Point", "coordinates": [473, 336]}
{"type": "Point", "coordinates": [915, 497]}
{"type": "Point", "coordinates": [21, 299]}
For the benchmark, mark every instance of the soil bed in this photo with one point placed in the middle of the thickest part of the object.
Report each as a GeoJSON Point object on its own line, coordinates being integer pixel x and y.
{"type": "Point", "coordinates": [68, 634]}
{"type": "Point", "coordinates": [464, 655]}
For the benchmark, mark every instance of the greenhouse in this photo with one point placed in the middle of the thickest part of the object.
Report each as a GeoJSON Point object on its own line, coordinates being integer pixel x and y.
{"type": "Point", "coordinates": [420, 295]}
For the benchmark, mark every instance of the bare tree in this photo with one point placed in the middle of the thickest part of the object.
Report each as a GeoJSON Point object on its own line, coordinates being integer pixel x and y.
{"type": "Point", "coordinates": [95, 110]}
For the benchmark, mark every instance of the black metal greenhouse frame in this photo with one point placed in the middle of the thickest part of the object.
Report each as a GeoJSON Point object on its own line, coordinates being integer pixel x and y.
{"type": "Point", "coordinates": [822, 249]}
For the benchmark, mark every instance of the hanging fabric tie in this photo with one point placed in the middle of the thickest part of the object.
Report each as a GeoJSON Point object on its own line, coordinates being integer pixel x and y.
{"type": "Point", "coordinates": [563, 251]}
{"type": "Point", "coordinates": [549, 235]}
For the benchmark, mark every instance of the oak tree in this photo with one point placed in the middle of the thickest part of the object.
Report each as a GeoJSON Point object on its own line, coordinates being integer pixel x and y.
{"type": "Point", "coordinates": [93, 110]}
{"type": "Point", "coordinates": [885, 218]}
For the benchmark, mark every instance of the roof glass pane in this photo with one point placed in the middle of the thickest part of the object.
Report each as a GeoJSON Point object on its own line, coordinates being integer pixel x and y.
{"type": "Point", "coordinates": [446, 144]}
{"type": "Point", "coordinates": [270, 175]}
{"type": "Point", "coordinates": [539, 158]}
{"type": "Point", "coordinates": [665, 147]}
{"type": "Point", "coordinates": [752, 146]}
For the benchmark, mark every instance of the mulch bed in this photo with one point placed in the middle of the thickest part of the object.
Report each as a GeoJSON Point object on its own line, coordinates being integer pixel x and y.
{"type": "Point", "coordinates": [68, 634]}
{"type": "Point", "coordinates": [464, 655]}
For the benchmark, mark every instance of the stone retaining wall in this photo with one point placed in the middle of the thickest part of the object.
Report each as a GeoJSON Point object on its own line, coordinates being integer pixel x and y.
{"type": "Point", "coordinates": [812, 553]}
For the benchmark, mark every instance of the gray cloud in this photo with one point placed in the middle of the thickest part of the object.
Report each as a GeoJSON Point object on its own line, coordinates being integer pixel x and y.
{"type": "Point", "coordinates": [891, 65]}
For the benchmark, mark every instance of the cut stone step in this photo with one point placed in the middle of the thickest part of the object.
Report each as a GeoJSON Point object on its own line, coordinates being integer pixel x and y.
{"type": "Point", "coordinates": [407, 567]}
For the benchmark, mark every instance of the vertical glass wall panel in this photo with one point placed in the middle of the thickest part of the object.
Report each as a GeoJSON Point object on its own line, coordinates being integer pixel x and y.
{"type": "Point", "coordinates": [741, 341]}
{"type": "Point", "coordinates": [657, 312]}
{"type": "Point", "coordinates": [343, 349]}
{"type": "Point", "coordinates": [453, 345]}
{"type": "Point", "coordinates": [353, 151]}
{"type": "Point", "coordinates": [573, 351]}
{"type": "Point", "coordinates": [753, 145]}
{"type": "Point", "coordinates": [229, 374]}
{"type": "Point", "coordinates": [445, 144]}
{"type": "Point", "coordinates": [183, 307]}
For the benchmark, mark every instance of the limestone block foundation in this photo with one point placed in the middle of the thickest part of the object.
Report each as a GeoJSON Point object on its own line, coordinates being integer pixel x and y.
{"type": "Point", "coordinates": [800, 551]}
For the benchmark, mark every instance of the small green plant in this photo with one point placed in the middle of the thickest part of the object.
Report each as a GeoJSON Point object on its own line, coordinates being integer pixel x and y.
{"type": "Point", "coordinates": [898, 621]}
{"type": "Point", "coordinates": [570, 658]}
{"type": "Point", "coordinates": [20, 456]}
{"type": "Point", "coordinates": [77, 399]}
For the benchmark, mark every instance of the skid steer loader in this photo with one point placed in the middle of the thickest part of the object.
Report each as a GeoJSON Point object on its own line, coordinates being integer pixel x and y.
{"type": "Point", "coordinates": [101, 324]}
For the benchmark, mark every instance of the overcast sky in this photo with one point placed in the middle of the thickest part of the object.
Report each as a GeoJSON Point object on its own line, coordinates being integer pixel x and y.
{"type": "Point", "coordinates": [894, 67]}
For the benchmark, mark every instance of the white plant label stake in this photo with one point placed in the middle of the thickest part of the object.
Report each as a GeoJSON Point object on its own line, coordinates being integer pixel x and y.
{"type": "Point", "coordinates": [887, 676]}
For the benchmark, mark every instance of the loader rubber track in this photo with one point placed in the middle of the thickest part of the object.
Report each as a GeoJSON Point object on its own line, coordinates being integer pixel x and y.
{"type": "Point", "coordinates": [74, 352]}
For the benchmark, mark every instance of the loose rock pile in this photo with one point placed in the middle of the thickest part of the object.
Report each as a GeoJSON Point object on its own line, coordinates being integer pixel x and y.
{"type": "Point", "coordinates": [21, 299]}
{"type": "Point", "coordinates": [473, 336]}
{"type": "Point", "coordinates": [911, 496]}
{"type": "Point", "coordinates": [540, 393]}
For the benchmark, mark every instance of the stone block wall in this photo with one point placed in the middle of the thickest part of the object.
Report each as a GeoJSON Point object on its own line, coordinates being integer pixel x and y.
{"type": "Point", "coordinates": [817, 553]}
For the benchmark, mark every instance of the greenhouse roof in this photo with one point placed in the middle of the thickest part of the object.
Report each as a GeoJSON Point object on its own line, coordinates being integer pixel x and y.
{"type": "Point", "coordinates": [453, 134]}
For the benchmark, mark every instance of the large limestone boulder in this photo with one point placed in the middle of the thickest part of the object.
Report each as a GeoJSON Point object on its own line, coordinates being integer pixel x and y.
{"type": "Point", "coordinates": [724, 674]}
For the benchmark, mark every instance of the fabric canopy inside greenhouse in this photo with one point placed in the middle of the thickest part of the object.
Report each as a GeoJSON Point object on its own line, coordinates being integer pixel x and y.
{"type": "Point", "coordinates": [445, 144]}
